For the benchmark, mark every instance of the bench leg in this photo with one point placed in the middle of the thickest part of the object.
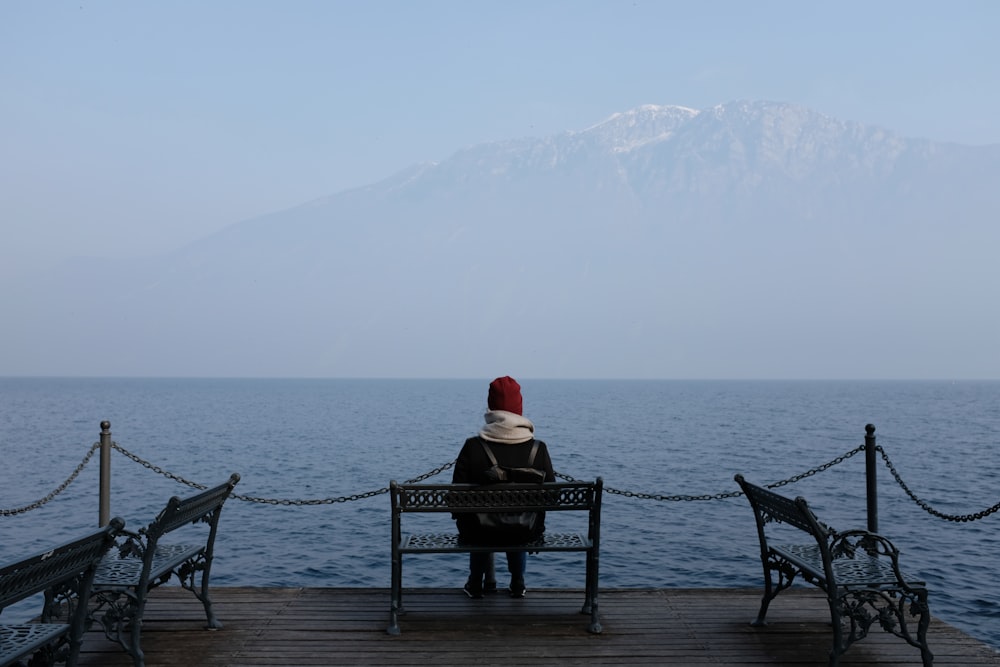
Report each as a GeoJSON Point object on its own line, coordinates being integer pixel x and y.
{"type": "Point", "coordinates": [785, 575]}
{"type": "Point", "coordinates": [595, 619]}
{"type": "Point", "coordinates": [853, 614]}
{"type": "Point", "coordinates": [921, 607]}
{"type": "Point", "coordinates": [186, 575]}
{"type": "Point", "coordinates": [590, 597]}
{"type": "Point", "coordinates": [393, 628]}
{"type": "Point", "coordinates": [396, 595]}
{"type": "Point", "coordinates": [119, 612]}
{"type": "Point", "coordinates": [78, 624]}
{"type": "Point", "coordinates": [836, 620]}
{"type": "Point", "coordinates": [60, 600]}
{"type": "Point", "coordinates": [135, 648]}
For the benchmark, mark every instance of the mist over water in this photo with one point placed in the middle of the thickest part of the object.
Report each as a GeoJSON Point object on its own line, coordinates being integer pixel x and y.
{"type": "Point", "coordinates": [332, 439]}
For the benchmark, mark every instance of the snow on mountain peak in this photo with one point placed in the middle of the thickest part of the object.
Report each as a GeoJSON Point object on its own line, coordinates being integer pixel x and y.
{"type": "Point", "coordinates": [624, 131]}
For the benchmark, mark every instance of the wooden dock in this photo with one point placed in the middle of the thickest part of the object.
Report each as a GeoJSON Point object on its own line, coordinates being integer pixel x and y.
{"type": "Point", "coordinates": [336, 626]}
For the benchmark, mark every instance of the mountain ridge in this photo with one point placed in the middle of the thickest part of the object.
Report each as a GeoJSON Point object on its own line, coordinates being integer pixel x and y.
{"type": "Point", "coordinates": [661, 242]}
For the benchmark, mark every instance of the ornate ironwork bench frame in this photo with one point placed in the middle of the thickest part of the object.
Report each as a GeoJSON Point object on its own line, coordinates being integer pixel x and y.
{"type": "Point", "coordinates": [142, 562]}
{"type": "Point", "coordinates": [65, 575]}
{"type": "Point", "coordinates": [857, 569]}
{"type": "Point", "coordinates": [470, 498]}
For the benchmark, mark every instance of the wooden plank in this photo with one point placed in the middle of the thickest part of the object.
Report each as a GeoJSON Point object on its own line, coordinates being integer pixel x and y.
{"type": "Point", "coordinates": [266, 627]}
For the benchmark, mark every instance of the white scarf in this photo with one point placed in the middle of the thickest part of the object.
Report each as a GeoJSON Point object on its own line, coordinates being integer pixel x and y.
{"type": "Point", "coordinates": [506, 428]}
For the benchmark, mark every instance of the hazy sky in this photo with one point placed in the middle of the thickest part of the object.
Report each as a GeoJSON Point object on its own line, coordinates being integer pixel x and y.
{"type": "Point", "coordinates": [134, 127]}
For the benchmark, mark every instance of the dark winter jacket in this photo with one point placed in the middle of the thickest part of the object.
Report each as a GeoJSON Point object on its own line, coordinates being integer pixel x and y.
{"type": "Point", "coordinates": [471, 467]}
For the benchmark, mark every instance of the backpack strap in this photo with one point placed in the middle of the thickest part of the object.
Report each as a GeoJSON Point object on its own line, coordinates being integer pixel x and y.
{"type": "Point", "coordinates": [489, 452]}
{"type": "Point", "coordinates": [534, 450]}
{"type": "Point", "coordinates": [493, 459]}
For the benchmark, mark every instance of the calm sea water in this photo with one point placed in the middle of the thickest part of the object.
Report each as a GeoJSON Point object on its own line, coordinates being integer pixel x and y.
{"type": "Point", "coordinates": [323, 439]}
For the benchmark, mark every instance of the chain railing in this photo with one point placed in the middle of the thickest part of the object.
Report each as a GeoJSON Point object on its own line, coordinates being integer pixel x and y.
{"type": "Point", "coordinates": [59, 489]}
{"type": "Point", "coordinates": [727, 494]}
{"type": "Point", "coordinates": [278, 501]}
{"type": "Point", "coordinates": [446, 466]}
{"type": "Point", "coordinates": [344, 499]}
{"type": "Point", "coordinates": [436, 471]}
{"type": "Point", "coordinates": [924, 505]}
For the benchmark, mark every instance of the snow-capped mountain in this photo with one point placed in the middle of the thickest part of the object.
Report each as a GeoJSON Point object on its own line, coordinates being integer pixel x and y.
{"type": "Point", "coordinates": [745, 240]}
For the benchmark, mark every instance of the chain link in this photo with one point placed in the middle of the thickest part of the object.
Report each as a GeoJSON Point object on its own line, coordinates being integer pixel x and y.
{"type": "Point", "coordinates": [59, 489]}
{"type": "Point", "coordinates": [926, 506]}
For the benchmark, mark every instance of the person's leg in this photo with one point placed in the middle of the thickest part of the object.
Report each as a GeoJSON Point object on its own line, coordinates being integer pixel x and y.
{"type": "Point", "coordinates": [517, 561]}
{"type": "Point", "coordinates": [478, 562]}
{"type": "Point", "coordinates": [490, 577]}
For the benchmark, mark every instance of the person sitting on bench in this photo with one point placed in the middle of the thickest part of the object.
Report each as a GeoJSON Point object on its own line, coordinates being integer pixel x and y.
{"type": "Point", "coordinates": [506, 442]}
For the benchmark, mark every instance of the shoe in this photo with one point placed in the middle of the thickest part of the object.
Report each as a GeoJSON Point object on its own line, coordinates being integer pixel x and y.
{"type": "Point", "coordinates": [489, 588]}
{"type": "Point", "coordinates": [516, 589]}
{"type": "Point", "coordinates": [472, 591]}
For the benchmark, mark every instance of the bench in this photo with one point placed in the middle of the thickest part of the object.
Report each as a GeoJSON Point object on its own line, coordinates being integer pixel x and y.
{"type": "Point", "coordinates": [857, 569]}
{"type": "Point", "coordinates": [64, 574]}
{"type": "Point", "coordinates": [459, 498]}
{"type": "Point", "coordinates": [125, 577]}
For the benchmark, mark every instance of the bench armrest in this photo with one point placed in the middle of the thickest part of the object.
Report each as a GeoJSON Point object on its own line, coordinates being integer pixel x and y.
{"type": "Point", "coordinates": [850, 542]}
{"type": "Point", "coordinates": [132, 545]}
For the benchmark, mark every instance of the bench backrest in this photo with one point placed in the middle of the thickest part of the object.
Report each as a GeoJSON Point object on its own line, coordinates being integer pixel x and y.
{"type": "Point", "coordinates": [462, 498]}
{"type": "Point", "coordinates": [770, 506]}
{"type": "Point", "coordinates": [57, 566]}
{"type": "Point", "coordinates": [204, 506]}
{"type": "Point", "coordinates": [504, 497]}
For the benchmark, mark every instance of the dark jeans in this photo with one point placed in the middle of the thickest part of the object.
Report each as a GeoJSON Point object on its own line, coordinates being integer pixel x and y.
{"type": "Point", "coordinates": [480, 564]}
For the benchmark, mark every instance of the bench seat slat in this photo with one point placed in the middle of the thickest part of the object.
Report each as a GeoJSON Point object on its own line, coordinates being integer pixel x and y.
{"type": "Point", "coordinates": [449, 542]}
{"type": "Point", "coordinates": [861, 571]}
{"type": "Point", "coordinates": [22, 639]}
{"type": "Point", "coordinates": [114, 571]}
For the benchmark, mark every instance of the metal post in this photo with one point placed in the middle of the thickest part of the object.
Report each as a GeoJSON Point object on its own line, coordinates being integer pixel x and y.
{"type": "Point", "coordinates": [871, 478]}
{"type": "Point", "coordinates": [105, 491]}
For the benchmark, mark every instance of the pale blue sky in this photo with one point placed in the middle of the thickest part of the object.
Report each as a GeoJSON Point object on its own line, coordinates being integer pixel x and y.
{"type": "Point", "coordinates": [130, 128]}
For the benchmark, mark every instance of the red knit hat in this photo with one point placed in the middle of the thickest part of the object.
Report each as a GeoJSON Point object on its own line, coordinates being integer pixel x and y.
{"type": "Point", "coordinates": [505, 394]}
